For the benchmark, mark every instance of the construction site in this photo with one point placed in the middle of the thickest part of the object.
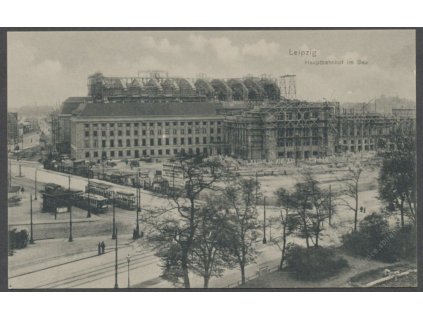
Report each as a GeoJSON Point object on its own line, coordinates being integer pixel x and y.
{"type": "Point", "coordinates": [258, 118]}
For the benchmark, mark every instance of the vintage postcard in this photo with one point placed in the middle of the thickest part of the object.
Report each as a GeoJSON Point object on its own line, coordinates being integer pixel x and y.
{"type": "Point", "coordinates": [229, 159]}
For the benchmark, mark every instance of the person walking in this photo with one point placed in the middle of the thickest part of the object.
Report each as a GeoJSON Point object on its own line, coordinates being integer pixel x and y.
{"type": "Point", "coordinates": [99, 248]}
{"type": "Point", "coordinates": [103, 247]}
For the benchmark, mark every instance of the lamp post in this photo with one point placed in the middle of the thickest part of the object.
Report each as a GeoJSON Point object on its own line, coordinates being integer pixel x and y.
{"type": "Point", "coordinates": [88, 193]}
{"type": "Point", "coordinates": [330, 204]}
{"type": "Point", "coordinates": [70, 210]}
{"type": "Point", "coordinates": [128, 258]}
{"type": "Point", "coordinates": [35, 185]}
{"type": "Point", "coordinates": [31, 239]}
{"type": "Point", "coordinates": [256, 188]}
{"type": "Point", "coordinates": [137, 229]}
{"type": "Point", "coordinates": [70, 222]}
{"type": "Point", "coordinates": [10, 173]}
{"type": "Point", "coordinates": [116, 261]}
{"type": "Point", "coordinates": [264, 221]}
{"type": "Point", "coordinates": [114, 219]}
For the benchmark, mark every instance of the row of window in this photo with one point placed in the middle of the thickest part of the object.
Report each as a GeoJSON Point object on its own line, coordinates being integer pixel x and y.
{"type": "Point", "coordinates": [150, 124]}
{"type": "Point", "coordinates": [151, 142]}
{"type": "Point", "coordinates": [358, 132]}
{"type": "Point", "coordinates": [360, 148]}
{"type": "Point", "coordinates": [136, 153]}
{"type": "Point", "coordinates": [359, 141]}
{"type": "Point", "coordinates": [305, 115]}
{"type": "Point", "coordinates": [291, 155]}
{"type": "Point", "coordinates": [290, 143]}
{"type": "Point", "coordinates": [189, 131]}
{"type": "Point", "coordinates": [290, 132]}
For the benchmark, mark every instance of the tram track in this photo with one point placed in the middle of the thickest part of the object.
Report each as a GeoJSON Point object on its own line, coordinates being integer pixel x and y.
{"type": "Point", "coordinates": [97, 271]}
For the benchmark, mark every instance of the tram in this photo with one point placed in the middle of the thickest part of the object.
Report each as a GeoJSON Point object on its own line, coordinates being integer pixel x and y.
{"type": "Point", "coordinates": [96, 203]}
{"type": "Point", "coordinates": [125, 200]}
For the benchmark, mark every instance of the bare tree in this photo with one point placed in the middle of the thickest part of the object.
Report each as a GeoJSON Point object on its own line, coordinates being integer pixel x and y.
{"type": "Point", "coordinates": [397, 177]}
{"type": "Point", "coordinates": [351, 191]}
{"type": "Point", "coordinates": [211, 253]}
{"type": "Point", "coordinates": [287, 226]}
{"type": "Point", "coordinates": [176, 229]}
{"type": "Point", "coordinates": [241, 205]}
{"type": "Point", "coordinates": [311, 207]}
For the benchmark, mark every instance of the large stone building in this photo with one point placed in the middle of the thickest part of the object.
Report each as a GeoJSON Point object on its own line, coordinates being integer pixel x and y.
{"type": "Point", "coordinates": [248, 118]}
{"type": "Point", "coordinates": [301, 130]}
{"type": "Point", "coordinates": [131, 130]}
{"type": "Point", "coordinates": [290, 129]}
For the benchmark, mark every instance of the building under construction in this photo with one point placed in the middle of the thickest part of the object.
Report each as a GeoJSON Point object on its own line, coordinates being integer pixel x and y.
{"type": "Point", "coordinates": [253, 118]}
{"type": "Point", "coordinates": [295, 129]}
{"type": "Point", "coordinates": [158, 87]}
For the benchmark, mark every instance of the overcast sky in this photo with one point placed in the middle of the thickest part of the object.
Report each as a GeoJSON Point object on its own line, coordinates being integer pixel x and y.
{"type": "Point", "coordinates": [45, 68]}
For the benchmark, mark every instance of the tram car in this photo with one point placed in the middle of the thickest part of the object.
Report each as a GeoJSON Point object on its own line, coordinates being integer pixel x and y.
{"type": "Point", "coordinates": [125, 200]}
{"type": "Point", "coordinates": [57, 199]}
{"type": "Point", "coordinates": [96, 203]}
{"type": "Point", "coordinates": [102, 189]}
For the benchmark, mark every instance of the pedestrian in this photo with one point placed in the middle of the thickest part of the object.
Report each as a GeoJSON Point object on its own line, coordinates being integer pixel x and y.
{"type": "Point", "coordinates": [103, 247]}
{"type": "Point", "coordinates": [99, 248]}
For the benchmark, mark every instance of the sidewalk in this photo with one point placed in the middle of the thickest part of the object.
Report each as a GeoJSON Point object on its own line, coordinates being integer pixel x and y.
{"type": "Point", "coordinates": [49, 253]}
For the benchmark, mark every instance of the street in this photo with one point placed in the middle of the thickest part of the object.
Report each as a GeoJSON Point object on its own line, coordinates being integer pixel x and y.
{"type": "Point", "coordinates": [53, 262]}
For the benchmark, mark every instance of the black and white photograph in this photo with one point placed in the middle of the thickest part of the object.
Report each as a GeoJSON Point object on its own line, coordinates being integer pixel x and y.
{"type": "Point", "coordinates": [199, 159]}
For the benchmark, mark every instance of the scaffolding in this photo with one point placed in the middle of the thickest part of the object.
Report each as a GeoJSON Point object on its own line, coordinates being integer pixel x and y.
{"type": "Point", "coordinates": [288, 87]}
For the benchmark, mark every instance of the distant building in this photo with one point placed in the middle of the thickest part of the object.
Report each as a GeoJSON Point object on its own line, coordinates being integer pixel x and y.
{"type": "Point", "coordinates": [12, 129]}
{"type": "Point", "coordinates": [404, 112]}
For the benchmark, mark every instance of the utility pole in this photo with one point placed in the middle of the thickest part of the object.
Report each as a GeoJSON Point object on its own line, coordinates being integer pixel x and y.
{"type": "Point", "coordinates": [31, 239]}
{"type": "Point", "coordinates": [114, 219]}
{"type": "Point", "coordinates": [137, 229]}
{"type": "Point", "coordinates": [330, 204]}
{"type": "Point", "coordinates": [10, 173]}
{"type": "Point", "coordinates": [88, 192]}
{"type": "Point", "coordinates": [35, 184]}
{"type": "Point", "coordinates": [116, 261]}
{"type": "Point", "coordinates": [70, 222]}
{"type": "Point", "coordinates": [70, 209]}
{"type": "Point", "coordinates": [264, 221]}
{"type": "Point", "coordinates": [128, 258]}
{"type": "Point", "coordinates": [256, 189]}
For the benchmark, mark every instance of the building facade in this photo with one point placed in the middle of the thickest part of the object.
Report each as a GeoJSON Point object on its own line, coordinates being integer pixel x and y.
{"type": "Point", "coordinates": [290, 129]}
{"type": "Point", "coordinates": [248, 118]}
{"type": "Point", "coordinates": [130, 130]}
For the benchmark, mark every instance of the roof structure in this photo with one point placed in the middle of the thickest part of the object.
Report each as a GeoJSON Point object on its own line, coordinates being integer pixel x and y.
{"type": "Point", "coordinates": [147, 109]}
{"type": "Point", "coordinates": [72, 103]}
